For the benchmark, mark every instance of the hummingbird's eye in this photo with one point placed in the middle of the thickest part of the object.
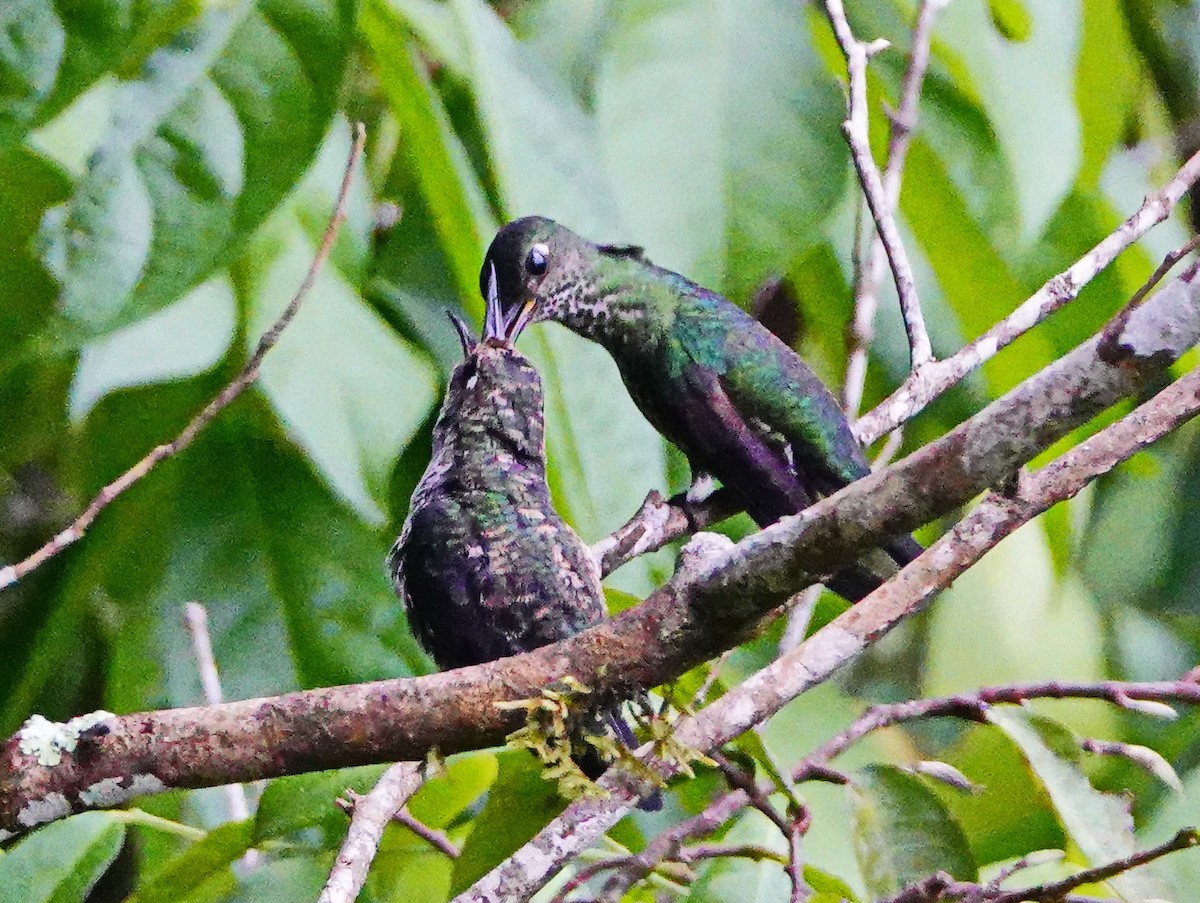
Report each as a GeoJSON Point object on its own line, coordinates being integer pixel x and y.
{"type": "Point", "coordinates": [536, 260]}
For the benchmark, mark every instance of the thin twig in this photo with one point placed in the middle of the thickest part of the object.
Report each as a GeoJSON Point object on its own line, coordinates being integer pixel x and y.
{"type": "Point", "coordinates": [372, 812]}
{"type": "Point", "coordinates": [858, 137]}
{"type": "Point", "coordinates": [666, 845]}
{"type": "Point", "coordinates": [1056, 890]}
{"type": "Point", "coordinates": [843, 639]}
{"type": "Point", "coordinates": [1117, 324]}
{"type": "Point", "coordinates": [196, 617]}
{"type": "Point", "coordinates": [928, 382]}
{"type": "Point", "coordinates": [248, 374]}
{"type": "Point", "coordinates": [660, 521]}
{"type": "Point", "coordinates": [973, 706]}
{"type": "Point", "coordinates": [1029, 860]}
{"type": "Point", "coordinates": [869, 275]}
{"type": "Point", "coordinates": [435, 838]}
{"type": "Point", "coordinates": [689, 855]}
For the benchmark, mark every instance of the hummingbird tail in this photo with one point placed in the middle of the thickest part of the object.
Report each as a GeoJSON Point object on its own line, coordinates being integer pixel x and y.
{"type": "Point", "coordinates": [874, 568]}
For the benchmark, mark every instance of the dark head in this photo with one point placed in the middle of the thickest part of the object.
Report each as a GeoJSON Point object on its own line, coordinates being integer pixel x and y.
{"type": "Point", "coordinates": [539, 270]}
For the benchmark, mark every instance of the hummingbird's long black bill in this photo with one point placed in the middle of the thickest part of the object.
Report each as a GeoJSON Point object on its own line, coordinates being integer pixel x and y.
{"type": "Point", "coordinates": [464, 333]}
{"type": "Point", "coordinates": [497, 324]}
{"type": "Point", "coordinates": [493, 317]}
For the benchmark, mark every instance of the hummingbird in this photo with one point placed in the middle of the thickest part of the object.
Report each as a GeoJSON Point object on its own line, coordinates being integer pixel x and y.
{"type": "Point", "coordinates": [738, 402]}
{"type": "Point", "coordinates": [485, 566]}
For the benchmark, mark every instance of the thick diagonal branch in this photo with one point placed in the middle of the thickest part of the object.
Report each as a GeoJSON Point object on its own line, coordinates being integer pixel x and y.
{"type": "Point", "coordinates": [848, 635]}
{"type": "Point", "coordinates": [687, 622]}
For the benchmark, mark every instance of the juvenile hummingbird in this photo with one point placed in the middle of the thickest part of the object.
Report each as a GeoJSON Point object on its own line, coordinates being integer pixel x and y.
{"type": "Point", "coordinates": [740, 404]}
{"type": "Point", "coordinates": [484, 565]}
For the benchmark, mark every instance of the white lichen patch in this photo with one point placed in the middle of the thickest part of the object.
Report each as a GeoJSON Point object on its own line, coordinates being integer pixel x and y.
{"type": "Point", "coordinates": [146, 784]}
{"type": "Point", "coordinates": [109, 792]}
{"type": "Point", "coordinates": [52, 806]}
{"type": "Point", "coordinates": [47, 740]}
{"type": "Point", "coordinates": [104, 794]}
{"type": "Point", "coordinates": [81, 723]}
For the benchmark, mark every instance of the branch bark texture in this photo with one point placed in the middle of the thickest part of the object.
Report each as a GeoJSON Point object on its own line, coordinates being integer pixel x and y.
{"type": "Point", "coordinates": [705, 610]}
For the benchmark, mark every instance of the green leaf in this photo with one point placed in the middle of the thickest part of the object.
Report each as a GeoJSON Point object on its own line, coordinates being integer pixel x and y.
{"type": "Point", "coordinates": [964, 257]}
{"type": "Point", "coordinates": [903, 832]}
{"type": "Point", "coordinates": [437, 158]}
{"type": "Point", "coordinates": [26, 289]}
{"type": "Point", "coordinates": [349, 391]}
{"type": "Point", "coordinates": [203, 861]}
{"type": "Point", "coordinates": [1180, 870]}
{"type": "Point", "coordinates": [542, 145]}
{"type": "Point", "coordinates": [202, 144]}
{"type": "Point", "coordinates": [1100, 824]}
{"type": "Point", "coordinates": [1107, 85]}
{"type": "Point", "coordinates": [729, 879]}
{"type": "Point", "coordinates": [284, 880]}
{"type": "Point", "coordinates": [1028, 91]}
{"type": "Point", "coordinates": [61, 862]}
{"type": "Point", "coordinates": [32, 38]}
{"type": "Point", "coordinates": [183, 339]}
{"type": "Point", "coordinates": [720, 129]}
{"type": "Point", "coordinates": [441, 799]}
{"type": "Point", "coordinates": [1011, 19]}
{"type": "Point", "coordinates": [301, 801]}
{"type": "Point", "coordinates": [520, 804]}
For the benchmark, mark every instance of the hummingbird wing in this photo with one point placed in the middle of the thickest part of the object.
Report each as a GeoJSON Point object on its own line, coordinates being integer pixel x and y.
{"type": "Point", "coordinates": [440, 583]}
{"type": "Point", "coordinates": [725, 444]}
{"type": "Point", "coordinates": [767, 380]}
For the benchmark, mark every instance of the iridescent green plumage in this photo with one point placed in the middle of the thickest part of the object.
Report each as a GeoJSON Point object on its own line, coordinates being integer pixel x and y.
{"type": "Point", "coordinates": [484, 564]}
{"type": "Point", "coordinates": [736, 400]}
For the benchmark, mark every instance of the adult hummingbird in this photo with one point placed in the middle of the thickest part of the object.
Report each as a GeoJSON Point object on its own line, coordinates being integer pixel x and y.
{"type": "Point", "coordinates": [740, 404]}
{"type": "Point", "coordinates": [484, 565]}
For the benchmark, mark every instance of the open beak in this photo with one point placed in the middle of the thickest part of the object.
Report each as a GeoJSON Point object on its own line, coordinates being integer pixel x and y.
{"type": "Point", "coordinates": [518, 319]}
{"type": "Point", "coordinates": [464, 333]}
{"type": "Point", "coordinates": [497, 324]}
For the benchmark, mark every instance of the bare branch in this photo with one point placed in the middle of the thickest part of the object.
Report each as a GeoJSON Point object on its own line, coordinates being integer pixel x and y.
{"type": "Point", "coordinates": [845, 637]}
{"type": "Point", "coordinates": [868, 277]}
{"type": "Point", "coordinates": [196, 617]}
{"type": "Point", "coordinates": [659, 522]}
{"type": "Point", "coordinates": [372, 812]}
{"type": "Point", "coordinates": [926, 383]}
{"type": "Point", "coordinates": [435, 838]}
{"type": "Point", "coordinates": [248, 374]}
{"type": "Point", "coordinates": [858, 137]}
{"type": "Point", "coordinates": [973, 707]}
{"type": "Point", "coordinates": [1056, 890]}
{"type": "Point", "coordinates": [703, 611]}
{"type": "Point", "coordinates": [667, 845]}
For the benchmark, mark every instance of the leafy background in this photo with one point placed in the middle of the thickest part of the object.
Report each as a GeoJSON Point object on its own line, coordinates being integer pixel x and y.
{"type": "Point", "coordinates": [166, 169]}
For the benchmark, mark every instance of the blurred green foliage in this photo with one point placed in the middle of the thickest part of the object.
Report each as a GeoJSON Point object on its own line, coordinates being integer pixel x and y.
{"type": "Point", "coordinates": [166, 171]}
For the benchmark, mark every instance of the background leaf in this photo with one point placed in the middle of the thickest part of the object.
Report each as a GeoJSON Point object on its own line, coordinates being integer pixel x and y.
{"type": "Point", "coordinates": [64, 860]}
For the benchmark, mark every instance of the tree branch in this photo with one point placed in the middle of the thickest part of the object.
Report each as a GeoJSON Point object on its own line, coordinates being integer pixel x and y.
{"type": "Point", "coordinates": [868, 277]}
{"type": "Point", "coordinates": [943, 887]}
{"type": "Point", "coordinates": [107, 759]}
{"type": "Point", "coordinates": [845, 637]}
{"type": "Point", "coordinates": [926, 383]}
{"type": "Point", "coordinates": [248, 374]}
{"type": "Point", "coordinates": [371, 814]}
{"type": "Point", "coordinates": [858, 137]}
